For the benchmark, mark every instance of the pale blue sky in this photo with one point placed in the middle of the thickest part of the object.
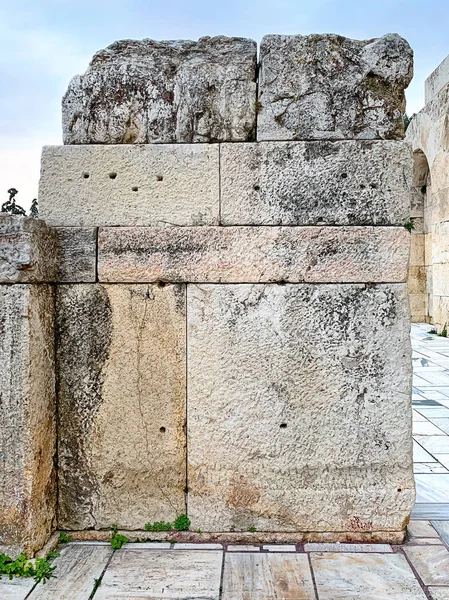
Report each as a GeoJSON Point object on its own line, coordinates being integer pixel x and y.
{"type": "Point", "coordinates": [43, 43]}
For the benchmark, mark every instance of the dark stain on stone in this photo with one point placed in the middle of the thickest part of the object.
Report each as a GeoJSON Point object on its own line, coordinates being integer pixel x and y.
{"type": "Point", "coordinates": [83, 340]}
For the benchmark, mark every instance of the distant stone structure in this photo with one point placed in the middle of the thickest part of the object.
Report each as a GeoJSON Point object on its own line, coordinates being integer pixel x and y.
{"type": "Point", "coordinates": [428, 134]}
{"type": "Point", "coordinates": [217, 307]}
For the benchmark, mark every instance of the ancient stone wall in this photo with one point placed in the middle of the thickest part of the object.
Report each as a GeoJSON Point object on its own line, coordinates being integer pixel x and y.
{"type": "Point", "coordinates": [231, 306]}
{"type": "Point", "coordinates": [428, 134]}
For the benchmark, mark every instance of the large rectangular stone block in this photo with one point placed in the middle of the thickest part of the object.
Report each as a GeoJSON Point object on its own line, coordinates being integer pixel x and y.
{"type": "Point", "coordinates": [144, 91]}
{"type": "Point", "coordinates": [299, 408]}
{"type": "Point", "coordinates": [28, 250]}
{"type": "Point", "coordinates": [310, 183]}
{"type": "Point", "coordinates": [27, 418]}
{"type": "Point", "coordinates": [253, 254]}
{"type": "Point", "coordinates": [89, 186]}
{"type": "Point", "coordinates": [331, 87]}
{"type": "Point", "coordinates": [121, 392]}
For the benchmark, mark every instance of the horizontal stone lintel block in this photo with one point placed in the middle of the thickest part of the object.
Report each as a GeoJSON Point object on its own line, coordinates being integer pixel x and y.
{"type": "Point", "coordinates": [168, 184]}
{"type": "Point", "coordinates": [316, 183]}
{"type": "Point", "coordinates": [253, 254]}
{"type": "Point", "coordinates": [28, 250]}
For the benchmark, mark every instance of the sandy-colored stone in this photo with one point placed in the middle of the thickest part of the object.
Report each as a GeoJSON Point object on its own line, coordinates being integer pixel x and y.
{"type": "Point", "coordinates": [437, 80]}
{"type": "Point", "coordinates": [331, 87]}
{"type": "Point", "coordinates": [138, 92]}
{"type": "Point", "coordinates": [253, 254]}
{"type": "Point", "coordinates": [28, 250]}
{"type": "Point", "coordinates": [417, 280]}
{"type": "Point", "coordinates": [316, 183]}
{"type": "Point", "coordinates": [259, 537]}
{"type": "Point", "coordinates": [27, 417]}
{"type": "Point", "coordinates": [77, 258]}
{"type": "Point", "coordinates": [299, 408]}
{"type": "Point", "coordinates": [121, 382]}
{"type": "Point", "coordinates": [90, 186]}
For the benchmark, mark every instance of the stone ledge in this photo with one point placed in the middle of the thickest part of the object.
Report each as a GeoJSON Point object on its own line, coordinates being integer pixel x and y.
{"type": "Point", "coordinates": [253, 254]}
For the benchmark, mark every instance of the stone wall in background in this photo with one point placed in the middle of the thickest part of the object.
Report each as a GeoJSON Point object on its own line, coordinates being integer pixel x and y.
{"type": "Point", "coordinates": [428, 134]}
{"type": "Point", "coordinates": [232, 319]}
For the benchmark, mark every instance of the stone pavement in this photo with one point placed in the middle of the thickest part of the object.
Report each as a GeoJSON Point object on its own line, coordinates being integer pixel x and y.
{"type": "Point", "coordinates": [415, 571]}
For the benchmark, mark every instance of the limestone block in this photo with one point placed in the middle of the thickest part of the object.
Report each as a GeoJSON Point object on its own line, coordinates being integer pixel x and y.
{"type": "Point", "coordinates": [77, 254]}
{"type": "Point", "coordinates": [437, 80]}
{"type": "Point", "coordinates": [27, 250]}
{"type": "Point", "coordinates": [27, 418]}
{"type": "Point", "coordinates": [139, 92]}
{"type": "Point", "coordinates": [331, 87]}
{"type": "Point", "coordinates": [428, 249]}
{"type": "Point", "coordinates": [417, 250]}
{"type": "Point", "coordinates": [440, 204]}
{"type": "Point", "coordinates": [121, 382]}
{"type": "Point", "coordinates": [253, 254]}
{"type": "Point", "coordinates": [89, 186]}
{"type": "Point", "coordinates": [417, 203]}
{"type": "Point", "coordinates": [418, 307]}
{"type": "Point", "coordinates": [440, 279]}
{"type": "Point", "coordinates": [309, 183]}
{"type": "Point", "coordinates": [418, 224]}
{"type": "Point", "coordinates": [299, 408]}
{"type": "Point", "coordinates": [440, 243]}
{"type": "Point", "coordinates": [440, 311]}
{"type": "Point", "coordinates": [416, 280]}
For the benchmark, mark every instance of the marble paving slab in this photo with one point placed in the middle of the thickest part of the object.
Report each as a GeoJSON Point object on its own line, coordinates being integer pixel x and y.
{"type": "Point", "coordinates": [439, 593]}
{"type": "Point", "coordinates": [420, 455]}
{"type": "Point", "coordinates": [427, 428]}
{"type": "Point", "coordinates": [76, 571]}
{"type": "Point", "coordinates": [433, 411]}
{"type": "Point", "coordinates": [433, 467]}
{"type": "Point", "coordinates": [430, 562]}
{"type": "Point", "coordinates": [421, 529]}
{"type": "Point", "coordinates": [436, 512]}
{"type": "Point", "coordinates": [443, 459]}
{"type": "Point", "coordinates": [15, 589]}
{"type": "Point", "coordinates": [442, 424]}
{"type": "Point", "coordinates": [443, 529]}
{"type": "Point", "coordinates": [434, 443]}
{"type": "Point", "coordinates": [249, 576]}
{"type": "Point", "coordinates": [433, 487]}
{"type": "Point", "coordinates": [365, 577]}
{"type": "Point", "coordinates": [336, 547]}
{"type": "Point", "coordinates": [165, 575]}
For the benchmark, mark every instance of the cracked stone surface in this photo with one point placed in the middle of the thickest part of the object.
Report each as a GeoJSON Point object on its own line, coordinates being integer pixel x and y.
{"type": "Point", "coordinates": [141, 92]}
{"type": "Point", "coordinates": [293, 390]}
{"type": "Point", "coordinates": [331, 87]}
{"type": "Point", "coordinates": [121, 369]}
{"type": "Point", "coordinates": [27, 418]}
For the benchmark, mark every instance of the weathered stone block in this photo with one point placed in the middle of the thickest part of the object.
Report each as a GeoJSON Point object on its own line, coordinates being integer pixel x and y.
{"type": "Point", "coordinates": [331, 87]}
{"type": "Point", "coordinates": [253, 254]}
{"type": "Point", "coordinates": [299, 408]}
{"type": "Point", "coordinates": [121, 381]}
{"type": "Point", "coordinates": [437, 80]}
{"type": "Point", "coordinates": [27, 418]}
{"type": "Point", "coordinates": [28, 250]}
{"type": "Point", "coordinates": [310, 183]}
{"type": "Point", "coordinates": [138, 92]}
{"type": "Point", "coordinates": [89, 186]}
{"type": "Point", "coordinates": [77, 254]}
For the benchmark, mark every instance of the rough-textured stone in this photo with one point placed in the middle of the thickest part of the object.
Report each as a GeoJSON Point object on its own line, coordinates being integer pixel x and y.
{"type": "Point", "coordinates": [309, 183]}
{"type": "Point", "coordinates": [437, 80]}
{"type": "Point", "coordinates": [77, 254]}
{"type": "Point", "coordinates": [121, 382]}
{"type": "Point", "coordinates": [89, 186]}
{"type": "Point", "coordinates": [27, 417]}
{"type": "Point", "coordinates": [299, 415]}
{"type": "Point", "coordinates": [27, 250]}
{"type": "Point", "coordinates": [253, 254]}
{"type": "Point", "coordinates": [172, 91]}
{"type": "Point", "coordinates": [331, 87]}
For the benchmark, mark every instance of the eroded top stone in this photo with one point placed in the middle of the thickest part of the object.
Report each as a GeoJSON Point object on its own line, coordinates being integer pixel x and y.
{"type": "Point", "coordinates": [170, 91]}
{"type": "Point", "coordinates": [332, 87]}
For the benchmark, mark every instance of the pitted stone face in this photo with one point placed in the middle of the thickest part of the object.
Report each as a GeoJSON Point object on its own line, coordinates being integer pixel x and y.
{"type": "Point", "coordinates": [161, 92]}
{"type": "Point", "coordinates": [331, 87]}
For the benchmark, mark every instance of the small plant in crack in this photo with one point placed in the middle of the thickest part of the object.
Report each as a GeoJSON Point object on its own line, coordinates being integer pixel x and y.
{"type": "Point", "coordinates": [158, 526]}
{"type": "Point", "coordinates": [40, 568]}
{"type": "Point", "coordinates": [97, 583]}
{"type": "Point", "coordinates": [252, 529]}
{"type": "Point", "coordinates": [117, 540]}
{"type": "Point", "coordinates": [182, 523]}
{"type": "Point", "coordinates": [64, 538]}
{"type": "Point", "coordinates": [410, 226]}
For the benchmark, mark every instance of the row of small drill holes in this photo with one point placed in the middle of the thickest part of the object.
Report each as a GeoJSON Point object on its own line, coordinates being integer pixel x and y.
{"type": "Point", "coordinates": [114, 175]}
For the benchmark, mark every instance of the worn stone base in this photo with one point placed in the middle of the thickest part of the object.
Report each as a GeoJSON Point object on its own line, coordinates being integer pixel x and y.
{"type": "Point", "coordinates": [236, 537]}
